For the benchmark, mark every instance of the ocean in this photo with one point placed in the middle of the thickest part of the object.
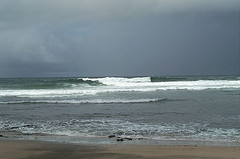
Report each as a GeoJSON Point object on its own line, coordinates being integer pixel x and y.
{"type": "Point", "coordinates": [188, 109]}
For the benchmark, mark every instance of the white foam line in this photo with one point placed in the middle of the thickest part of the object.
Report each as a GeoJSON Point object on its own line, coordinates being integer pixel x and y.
{"type": "Point", "coordinates": [95, 101]}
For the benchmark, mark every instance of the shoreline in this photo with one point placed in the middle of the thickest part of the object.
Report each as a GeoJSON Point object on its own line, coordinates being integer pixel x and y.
{"type": "Point", "coordinates": [111, 140]}
{"type": "Point", "coordinates": [17, 149]}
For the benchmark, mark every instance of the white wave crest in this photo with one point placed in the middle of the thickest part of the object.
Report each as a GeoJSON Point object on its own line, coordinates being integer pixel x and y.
{"type": "Point", "coordinates": [93, 101]}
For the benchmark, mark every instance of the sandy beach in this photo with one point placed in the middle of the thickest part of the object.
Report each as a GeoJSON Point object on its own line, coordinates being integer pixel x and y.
{"type": "Point", "coordinates": [49, 150]}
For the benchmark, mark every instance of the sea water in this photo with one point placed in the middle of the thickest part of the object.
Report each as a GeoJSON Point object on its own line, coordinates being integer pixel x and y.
{"type": "Point", "coordinates": [203, 108]}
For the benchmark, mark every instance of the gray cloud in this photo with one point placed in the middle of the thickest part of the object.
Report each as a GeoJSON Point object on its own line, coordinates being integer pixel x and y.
{"type": "Point", "coordinates": [17, 13]}
{"type": "Point", "coordinates": [136, 37]}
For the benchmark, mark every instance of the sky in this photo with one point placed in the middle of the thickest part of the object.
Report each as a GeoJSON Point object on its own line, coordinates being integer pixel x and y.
{"type": "Point", "coordinates": [91, 38]}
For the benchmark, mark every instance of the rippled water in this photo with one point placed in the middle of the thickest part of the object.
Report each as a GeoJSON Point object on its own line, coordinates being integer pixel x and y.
{"type": "Point", "coordinates": [190, 109]}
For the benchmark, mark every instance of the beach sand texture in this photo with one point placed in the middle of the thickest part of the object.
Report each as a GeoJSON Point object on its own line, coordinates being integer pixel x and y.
{"type": "Point", "coordinates": [51, 150]}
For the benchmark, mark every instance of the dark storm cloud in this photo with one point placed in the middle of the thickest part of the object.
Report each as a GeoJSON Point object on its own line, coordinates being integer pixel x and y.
{"type": "Point", "coordinates": [127, 37]}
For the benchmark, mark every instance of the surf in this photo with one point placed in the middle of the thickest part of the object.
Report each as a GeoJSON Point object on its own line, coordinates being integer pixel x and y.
{"type": "Point", "coordinates": [108, 89]}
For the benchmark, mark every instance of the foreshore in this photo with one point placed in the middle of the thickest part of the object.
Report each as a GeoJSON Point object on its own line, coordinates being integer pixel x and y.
{"type": "Point", "coordinates": [22, 149]}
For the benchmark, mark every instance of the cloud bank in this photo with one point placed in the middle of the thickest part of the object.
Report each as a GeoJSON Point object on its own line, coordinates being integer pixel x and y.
{"type": "Point", "coordinates": [125, 37]}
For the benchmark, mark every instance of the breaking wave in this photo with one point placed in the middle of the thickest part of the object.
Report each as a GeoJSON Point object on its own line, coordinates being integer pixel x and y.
{"type": "Point", "coordinates": [193, 78]}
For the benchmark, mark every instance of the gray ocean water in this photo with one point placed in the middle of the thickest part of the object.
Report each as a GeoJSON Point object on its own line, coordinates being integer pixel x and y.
{"type": "Point", "coordinates": [204, 108]}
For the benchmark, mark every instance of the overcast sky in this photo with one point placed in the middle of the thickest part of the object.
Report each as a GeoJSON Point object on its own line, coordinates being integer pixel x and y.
{"type": "Point", "coordinates": [119, 37]}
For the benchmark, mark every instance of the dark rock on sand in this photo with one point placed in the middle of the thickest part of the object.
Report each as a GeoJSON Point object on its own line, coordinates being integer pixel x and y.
{"type": "Point", "coordinates": [128, 138]}
{"type": "Point", "coordinates": [111, 136]}
{"type": "Point", "coordinates": [120, 139]}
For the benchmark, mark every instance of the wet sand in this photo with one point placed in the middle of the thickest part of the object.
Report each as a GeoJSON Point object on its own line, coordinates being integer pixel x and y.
{"type": "Point", "coordinates": [49, 150]}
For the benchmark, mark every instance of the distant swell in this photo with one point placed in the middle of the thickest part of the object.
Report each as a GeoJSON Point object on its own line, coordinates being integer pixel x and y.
{"type": "Point", "coordinates": [48, 83]}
